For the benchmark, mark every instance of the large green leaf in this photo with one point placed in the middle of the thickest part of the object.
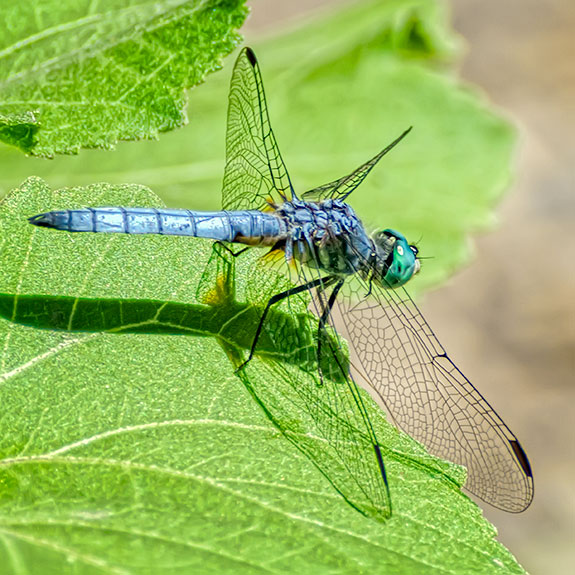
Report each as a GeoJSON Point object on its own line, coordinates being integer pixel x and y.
{"type": "Point", "coordinates": [77, 74]}
{"type": "Point", "coordinates": [144, 453]}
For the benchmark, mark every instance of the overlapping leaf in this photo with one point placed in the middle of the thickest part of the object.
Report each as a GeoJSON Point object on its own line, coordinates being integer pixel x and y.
{"type": "Point", "coordinates": [84, 75]}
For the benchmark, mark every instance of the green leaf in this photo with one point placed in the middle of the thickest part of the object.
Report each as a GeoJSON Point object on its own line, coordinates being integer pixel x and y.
{"type": "Point", "coordinates": [83, 75]}
{"type": "Point", "coordinates": [144, 453]}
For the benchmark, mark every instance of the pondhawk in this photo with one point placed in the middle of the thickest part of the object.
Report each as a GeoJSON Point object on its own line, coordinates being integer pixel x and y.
{"type": "Point", "coordinates": [320, 236]}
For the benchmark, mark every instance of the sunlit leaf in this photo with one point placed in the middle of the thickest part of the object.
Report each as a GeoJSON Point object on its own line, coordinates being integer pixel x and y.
{"type": "Point", "coordinates": [86, 75]}
{"type": "Point", "coordinates": [149, 442]}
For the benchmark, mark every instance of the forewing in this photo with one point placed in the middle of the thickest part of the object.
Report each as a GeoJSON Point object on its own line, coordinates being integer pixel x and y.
{"type": "Point", "coordinates": [341, 188]}
{"type": "Point", "coordinates": [429, 397]}
{"type": "Point", "coordinates": [255, 172]}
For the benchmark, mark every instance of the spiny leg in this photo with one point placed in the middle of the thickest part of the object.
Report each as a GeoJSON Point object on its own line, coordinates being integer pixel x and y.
{"type": "Point", "coordinates": [273, 300]}
{"type": "Point", "coordinates": [326, 311]}
{"type": "Point", "coordinates": [229, 249]}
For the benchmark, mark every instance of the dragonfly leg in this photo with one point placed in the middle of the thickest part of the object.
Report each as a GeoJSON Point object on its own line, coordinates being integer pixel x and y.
{"type": "Point", "coordinates": [229, 249]}
{"type": "Point", "coordinates": [273, 300]}
{"type": "Point", "coordinates": [323, 320]}
{"type": "Point", "coordinates": [368, 293]}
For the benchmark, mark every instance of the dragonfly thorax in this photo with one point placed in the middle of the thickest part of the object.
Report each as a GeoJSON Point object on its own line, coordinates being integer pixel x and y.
{"type": "Point", "coordinates": [325, 235]}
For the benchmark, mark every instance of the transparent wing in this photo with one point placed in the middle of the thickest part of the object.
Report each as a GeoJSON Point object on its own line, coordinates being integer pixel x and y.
{"type": "Point", "coordinates": [340, 189]}
{"type": "Point", "coordinates": [429, 397]}
{"type": "Point", "coordinates": [326, 420]}
{"type": "Point", "coordinates": [317, 420]}
{"type": "Point", "coordinates": [255, 171]}
{"type": "Point", "coordinates": [350, 432]}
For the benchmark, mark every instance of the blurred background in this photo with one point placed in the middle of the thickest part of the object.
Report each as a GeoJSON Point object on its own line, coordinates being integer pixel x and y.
{"type": "Point", "coordinates": [508, 318]}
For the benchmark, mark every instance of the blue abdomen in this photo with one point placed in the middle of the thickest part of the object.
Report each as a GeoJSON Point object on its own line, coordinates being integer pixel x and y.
{"type": "Point", "coordinates": [249, 226]}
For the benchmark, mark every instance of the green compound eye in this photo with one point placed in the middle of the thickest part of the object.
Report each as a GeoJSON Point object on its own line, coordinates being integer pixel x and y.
{"type": "Point", "coordinates": [401, 261]}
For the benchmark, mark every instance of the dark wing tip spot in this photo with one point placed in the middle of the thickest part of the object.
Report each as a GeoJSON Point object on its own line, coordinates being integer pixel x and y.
{"type": "Point", "coordinates": [521, 457]}
{"type": "Point", "coordinates": [251, 56]}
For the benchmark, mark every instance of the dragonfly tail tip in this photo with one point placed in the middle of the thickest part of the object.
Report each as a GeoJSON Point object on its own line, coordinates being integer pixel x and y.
{"type": "Point", "coordinates": [42, 220]}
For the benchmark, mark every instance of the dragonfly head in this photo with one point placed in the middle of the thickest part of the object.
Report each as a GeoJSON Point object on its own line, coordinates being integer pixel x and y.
{"type": "Point", "coordinates": [395, 260]}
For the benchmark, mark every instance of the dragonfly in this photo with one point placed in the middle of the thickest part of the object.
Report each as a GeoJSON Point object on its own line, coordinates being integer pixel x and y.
{"type": "Point", "coordinates": [339, 265]}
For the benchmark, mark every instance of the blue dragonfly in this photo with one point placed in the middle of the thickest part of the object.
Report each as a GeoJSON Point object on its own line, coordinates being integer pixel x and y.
{"type": "Point", "coordinates": [338, 265]}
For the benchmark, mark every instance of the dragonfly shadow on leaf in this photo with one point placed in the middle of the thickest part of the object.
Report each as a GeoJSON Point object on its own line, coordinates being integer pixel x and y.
{"type": "Point", "coordinates": [288, 337]}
